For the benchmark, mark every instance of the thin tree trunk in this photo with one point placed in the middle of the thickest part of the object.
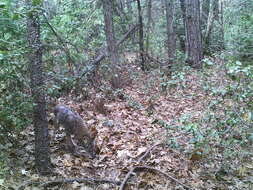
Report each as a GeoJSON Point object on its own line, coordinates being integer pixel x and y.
{"type": "Point", "coordinates": [221, 17]}
{"type": "Point", "coordinates": [210, 22]}
{"type": "Point", "coordinates": [201, 9]}
{"type": "Point", "coordinates": [149, 15]}
{"type": "Point", "coordinates": [121, 4]}
{"type": "Point", "coordinates": [130, 17]}
{"type": "Point", "coordinates": [183, 40]}
{"type": "Point", "coordinates": [129, 9]}
{"type": "Point", "coordinates": [109, 31]}
{"type": "Point", "coordinates": [171, 35]}
{"type": "Point", "coordinates": [141, 40]}
{"type": "Point", "coordinates": [119, 11]}
{"type": "Point", "coordinates": [42, 158]}
{"type": "Point", "coordinates": [193, 33]}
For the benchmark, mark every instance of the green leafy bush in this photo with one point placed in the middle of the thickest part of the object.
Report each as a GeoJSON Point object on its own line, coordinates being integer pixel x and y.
{"type": "Point", "coordinates": [239, 30]}
{"type": "Point", "coordinates": [15, 104]}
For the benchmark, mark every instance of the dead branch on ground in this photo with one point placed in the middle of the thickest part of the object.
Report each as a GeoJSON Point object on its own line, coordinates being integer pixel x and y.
{"type": "Point", "coordinates": [154, 59]}
{"type": "Point", "coordinates": [141, 168]}
{"type": "Point", "coordinates": [122, 186]}
{"type": "Point", "coordinates": [65, 181]}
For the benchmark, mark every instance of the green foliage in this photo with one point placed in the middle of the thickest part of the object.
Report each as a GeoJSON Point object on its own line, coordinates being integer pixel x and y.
{"type": "Point", "coordinates": [222, 135]}
{"type": "Point", "coordinates": [239, 30]}
{"type": "Point", "coordinates": [176, 79]}
{"type": "Point", "coordinates": [224, 131]}
{"type": "Point", "coordinates": [4, 170]}
{"type": "Point", "coordinates": [133, 103]}
{"type": "Point", "coordinates": [14, 92]}
{"type": "Point", "coordinates": [77, 25]}
{"type": "Point", "coordinates": [37, 2]}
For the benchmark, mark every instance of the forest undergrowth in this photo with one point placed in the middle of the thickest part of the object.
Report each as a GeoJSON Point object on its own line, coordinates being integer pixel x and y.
{"type": "Point", "coordinates": [184, 130]}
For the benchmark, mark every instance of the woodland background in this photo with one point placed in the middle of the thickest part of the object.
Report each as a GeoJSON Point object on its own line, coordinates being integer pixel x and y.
{"type": "Point", "coordinates": [167, 84]}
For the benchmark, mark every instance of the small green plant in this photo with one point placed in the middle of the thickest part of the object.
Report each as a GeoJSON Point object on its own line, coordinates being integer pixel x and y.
{"type": "Point", "coordinates": [134, 104]}
{"type": "Point", "coordinates": [177, 79]}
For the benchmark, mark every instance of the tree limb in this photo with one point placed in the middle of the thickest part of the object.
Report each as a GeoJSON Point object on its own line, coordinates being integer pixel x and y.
{"type": "Point", "coordinates": [104, 53]}
{"type": "Point", "coordinates": [59, 38]}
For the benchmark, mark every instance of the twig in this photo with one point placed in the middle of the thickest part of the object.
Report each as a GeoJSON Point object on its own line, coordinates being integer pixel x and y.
{"type": "Point", "coordinates": [122, 185]}
{"type": "Point", "coordinates": [62, 181]}
{"type": "Point", "coordinates": [163, 173]}
{"type": "Point", "coordinates": [59, 38]}
{"type": "Point", "coordinates": [90, 180]}
{"type": "Point", "coordinates": [147, 152]}
{"type": "Point", "coordinates": [27, 183]}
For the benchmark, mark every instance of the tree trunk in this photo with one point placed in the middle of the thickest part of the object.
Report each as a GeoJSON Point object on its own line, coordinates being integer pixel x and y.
{"type": "Point", "coordinates": [183, 37]}
{"type": "Point", "coordinates": [121, 5]}
{"type": "Point", "coordinates": [109, 31]}
{"type": "Point", "coordinates": [204, 6]}
{"type": "Point", "coordinates": [141, 40]}
{"type": "Point", "coordinates": [149, 15]}
{"type": "Point", "coordinates": [42, 158]}
{"type": "Point", "coordinates": [201, 10]}
{"type": "Point", "coordinates": [210, 22]}
{"type": "Point", "coordinates": [193, 34]}
{"type": "Point", "coordinates": [221, 18]}
{"type": "Point", "coordinates": [111, 42]}
{"type": "Point", "coordinates": [130, 17]}
{"type": "Point", "coordinates": [171, 35]}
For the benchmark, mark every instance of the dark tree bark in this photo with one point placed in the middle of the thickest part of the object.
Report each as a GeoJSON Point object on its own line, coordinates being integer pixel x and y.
{"type": "Point", "coordinates": [42, 158]}
{"type": "Point", "coordinates": [171, 35]}
{"type": "Point", "coordinates": [141, 38]}
{"type": "Point", "coordinates": [193, 34]}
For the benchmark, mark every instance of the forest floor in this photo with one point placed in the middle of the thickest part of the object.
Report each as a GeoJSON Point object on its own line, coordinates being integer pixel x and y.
{"type": "Point", "coordinates": [138, 131]}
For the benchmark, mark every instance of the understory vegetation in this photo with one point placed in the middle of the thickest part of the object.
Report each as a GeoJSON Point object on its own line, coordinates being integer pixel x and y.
{"type": "Point", "coordinates": [170, 124]}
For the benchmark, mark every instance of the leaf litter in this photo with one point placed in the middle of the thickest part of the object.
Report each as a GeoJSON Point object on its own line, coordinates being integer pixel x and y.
{"type": "Point", "coordinates": [124, 135]}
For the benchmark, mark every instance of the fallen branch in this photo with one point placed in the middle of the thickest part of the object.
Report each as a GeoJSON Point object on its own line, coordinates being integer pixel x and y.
{"type": "Point", "coordinates": [154, 59]}
{"type": "Point", "coordinates": [64, 181]}
{"type": "Point", "coordinates": [161, 172]}
{"type": "Point", "coordinates": [27, 183]}
{"type": "Point", "coordinates": [79, 180]}
{"type": "Point", "coordinates": [104, 53]}
{"type": "Point", "coordinates": [122, 185]}
{"type": "Point", "coordinates": [147, 152]}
